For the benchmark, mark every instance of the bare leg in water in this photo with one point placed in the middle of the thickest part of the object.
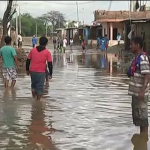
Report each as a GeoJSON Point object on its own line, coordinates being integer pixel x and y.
{"type": "Point", "coordinates": [144, 130]}
{"type": "Point", "coordinates": [6, 83]}
{"type": "Point", "coordinates": [13, 82]}
{"type": "Point", "coordinates": [34, 94]}
{"type": "Point", "coordinates": [47, 80]}
{"type": "Point", "coordinates": [39, 97]}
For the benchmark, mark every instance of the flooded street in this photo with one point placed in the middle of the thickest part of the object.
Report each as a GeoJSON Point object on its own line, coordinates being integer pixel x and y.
{"type": "Point", "coordinates": [86, 107]}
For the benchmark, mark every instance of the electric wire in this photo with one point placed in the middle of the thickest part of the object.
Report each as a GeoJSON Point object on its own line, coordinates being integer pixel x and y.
{"type": "Point", "coordinates": [69, 3]}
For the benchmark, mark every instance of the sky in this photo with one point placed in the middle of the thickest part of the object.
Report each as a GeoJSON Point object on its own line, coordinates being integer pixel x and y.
{"type": "Point", "coordinates": [68, 8]}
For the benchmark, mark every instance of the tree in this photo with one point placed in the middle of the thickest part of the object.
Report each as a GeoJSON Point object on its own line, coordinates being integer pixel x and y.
{"type": "Point", "coordinates": [56, 18]}
{"type": "Point", "coordinates": [8, 14]}
{"type": "Point", "coordinates": [29, 25]}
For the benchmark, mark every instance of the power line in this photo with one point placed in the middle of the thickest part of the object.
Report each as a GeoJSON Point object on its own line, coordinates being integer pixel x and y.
{"type": "Point", "coordinates": [69, 3]}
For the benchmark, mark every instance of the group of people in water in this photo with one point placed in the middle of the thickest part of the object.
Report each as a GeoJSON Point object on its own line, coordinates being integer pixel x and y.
{"type": "Point", "coordinates": [39, 66]}
{"type": "Point", "coordinates": [61, 44]}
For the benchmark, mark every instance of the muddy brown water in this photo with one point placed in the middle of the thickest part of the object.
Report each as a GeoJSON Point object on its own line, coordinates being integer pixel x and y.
{"type": "Point", "coordinates": [86, 107]}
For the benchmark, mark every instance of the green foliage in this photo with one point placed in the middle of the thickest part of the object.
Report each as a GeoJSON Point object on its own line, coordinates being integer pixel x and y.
{"type": "Point", "coordinates": [28, 24]}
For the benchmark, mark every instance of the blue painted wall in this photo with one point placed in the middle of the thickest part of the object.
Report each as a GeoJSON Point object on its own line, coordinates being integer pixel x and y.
{"type": "Point", "coordinates": [86, 33]}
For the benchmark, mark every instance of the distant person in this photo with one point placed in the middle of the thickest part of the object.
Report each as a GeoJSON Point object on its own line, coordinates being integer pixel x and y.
{"type": "Point", "coordinates": [34, 41]}
{"type": "Point", "coordinates": [139, 74]}
{"type": "Point", "coordinates": [98, 41]}
{"type": "Point", "coordinates": [20, 41]}
{"type": "Point", "coordinates": [80, 39]}
{"type": "Point", "coordinates": [103, 44]}
{"type": "Point", "coordinates": [71, 44]}
{"type": "Point", "coordinates": [83, 45]}
{"type": "Point", "coordinates": [10, 61]}
{"type": "Point", "coordinates": [106, 41]}
{"type": "Point", "coordinates": [118, 39]}
{"type": "Point", "coordinates": [54, 43]}
{"type": "Point", "coordinates": [64, 44]}
{"type": "Point", "coordinates": [36, 67]}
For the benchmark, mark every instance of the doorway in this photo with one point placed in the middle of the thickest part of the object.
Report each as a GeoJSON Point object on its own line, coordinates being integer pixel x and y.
{"type": "Point", "coordinates": [115, 32]}
{"type": "Point", "coordinates": [99, 32]}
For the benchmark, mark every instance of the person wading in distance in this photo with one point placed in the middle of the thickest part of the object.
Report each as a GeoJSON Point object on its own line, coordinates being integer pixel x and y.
{"type": "Point", "coordinates": [36, 67]}
{"type": "Point", "coordinates": [10, 61]}
{"type": "Point", "coordinates": [139, 74]}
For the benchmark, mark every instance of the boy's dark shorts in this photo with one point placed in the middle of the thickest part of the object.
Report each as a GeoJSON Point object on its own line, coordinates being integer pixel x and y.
{"type": "Point", "coordinates": [37, 82]}
{"type": "Point", "coordinates": [140, 111]}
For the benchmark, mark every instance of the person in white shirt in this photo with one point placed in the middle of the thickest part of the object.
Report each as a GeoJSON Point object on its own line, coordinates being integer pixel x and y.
{"type": "Point", "coordinates": [19, 41]}
{"type": "Point", "coordinates": [71, 44]}
{"type": "Point", "coordinates": [64, 44]}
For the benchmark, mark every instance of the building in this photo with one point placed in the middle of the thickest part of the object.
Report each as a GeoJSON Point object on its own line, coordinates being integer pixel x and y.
{"type": "Point", "coordinates": [141, 27]}
{"type": "Point", "coordinates": [113, 22]}
{"type": "Point", "coordinates": [72, 33]}
{"type": "Point", "coordinates": [61, 32]}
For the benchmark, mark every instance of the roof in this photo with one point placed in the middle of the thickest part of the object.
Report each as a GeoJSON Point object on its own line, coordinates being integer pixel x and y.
{"type": "Point", "coordinates": [101, 14]}
{"type": "Point", "coordinates": [109, 20]}
{"type": "Point", "coordinates": [138, 20]}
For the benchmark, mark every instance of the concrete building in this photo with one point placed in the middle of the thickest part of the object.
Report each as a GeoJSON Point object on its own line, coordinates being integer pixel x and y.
{"type": "Point", "coordinates": [61, 32]}
{"type": "Point", "coordinates": [113, 22]}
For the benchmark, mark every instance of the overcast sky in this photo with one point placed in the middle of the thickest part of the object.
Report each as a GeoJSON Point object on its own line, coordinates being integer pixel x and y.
{"type": "Point", "coordinates": [68, 8]}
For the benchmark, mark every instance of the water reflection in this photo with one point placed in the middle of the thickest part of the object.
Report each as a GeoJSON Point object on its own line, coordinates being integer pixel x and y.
{"type": "Point", "coordinates": [139, 141]}
{"type": "Point", "coordinates": [101, 61]}
{"type": "Point", "coordinates": [59, 60]}
{"type": "Point", "coordinates": [90, 112]}
{"type": "Point", "coordinates": [39, 133]}
{"type": "Point", "coordinates": [8, 120]}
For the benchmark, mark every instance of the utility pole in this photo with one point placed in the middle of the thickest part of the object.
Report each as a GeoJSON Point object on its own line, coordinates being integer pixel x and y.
{"type": "Point", "coordinates": [46, 29]}
{"type": "Point", "coordinates": [130, 5]}
{"type": "Point", "coordinates": [19, 20]}
{"type": "Point", "coordinates": [77, 11]}
{"type": "Point", "coordinates": [53, 25]}
{"type": "Point", "coordinates": [16, 28]}
{"type": "Point", "coordinates": [36, 29]}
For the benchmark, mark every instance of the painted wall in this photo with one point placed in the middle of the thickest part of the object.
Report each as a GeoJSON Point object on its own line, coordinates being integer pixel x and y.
{"type": "Point", "coordinates": [86, 33]}
{"type": "Point", "coordinates": [105, 28]}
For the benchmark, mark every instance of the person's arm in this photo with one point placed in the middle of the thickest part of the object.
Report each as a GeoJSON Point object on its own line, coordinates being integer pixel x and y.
{"type": "Point", "coordinates": [28, 62]}
{"type": "Point", "coordinates": [14, 54]}
{"type": "Point", "coordinates": [0, 55]}
{"type": "Point", "coordinates": [50, 64]}
{"type": "Point", "coordinates": [145, 71]}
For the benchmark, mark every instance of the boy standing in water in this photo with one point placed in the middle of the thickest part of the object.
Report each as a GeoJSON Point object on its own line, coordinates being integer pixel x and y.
{"type": "Point", "coordinates": [106, 41]}
{"type": "Point", "coordinates": [83, 45]}
{"type": "Point", "coordinates": [103, 45]}
{"type": "Point", "coordinates": [34, 41]}
{"type": "Point", "coordinates": [118, 39]}
{"type": "Point", "coordinates": [36, 67]}
{"type": "Point", "coordinates": [9, 58]}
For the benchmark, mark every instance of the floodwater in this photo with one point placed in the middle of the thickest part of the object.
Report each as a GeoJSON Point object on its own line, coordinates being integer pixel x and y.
{"type": "Point", "coordinates": [86, 107]}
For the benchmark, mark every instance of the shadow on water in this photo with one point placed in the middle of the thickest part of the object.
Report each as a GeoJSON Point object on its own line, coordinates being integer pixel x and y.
{"type": "Point", "coordinates": [85, 107]}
